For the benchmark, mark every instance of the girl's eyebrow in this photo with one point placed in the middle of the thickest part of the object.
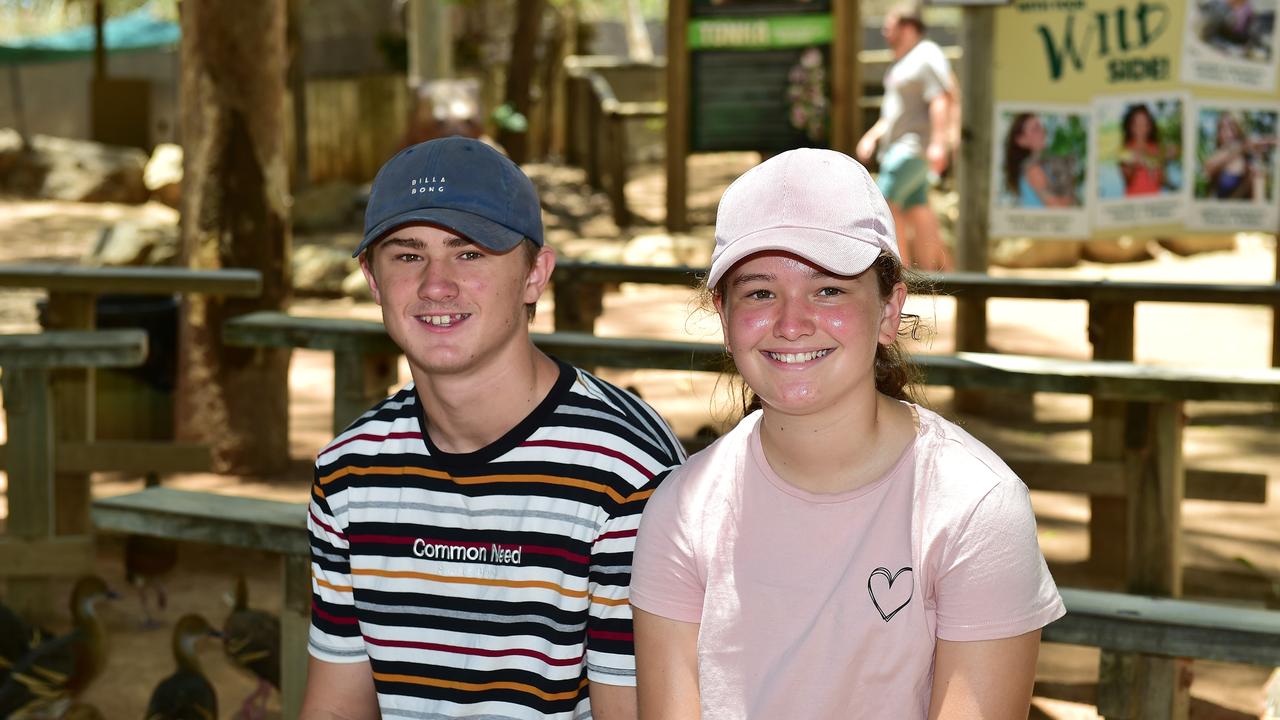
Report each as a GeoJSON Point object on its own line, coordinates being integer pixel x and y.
{"type": "Point", "coordinates": [753, 277]}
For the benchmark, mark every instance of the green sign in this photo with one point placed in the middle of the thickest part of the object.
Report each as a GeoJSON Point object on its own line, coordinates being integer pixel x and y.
{"type": "Point", "coordinates": [759, 33]}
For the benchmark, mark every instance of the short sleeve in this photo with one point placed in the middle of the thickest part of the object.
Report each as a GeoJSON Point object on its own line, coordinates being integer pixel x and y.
{"type": "Point", "coordinates": [335, 632]}
{"type": "Point", "coordinates": [935, 73]}
{"type": "Point", "coordinates": [666, 580]}
{"type": "Point", "coordinates": [992, 581]}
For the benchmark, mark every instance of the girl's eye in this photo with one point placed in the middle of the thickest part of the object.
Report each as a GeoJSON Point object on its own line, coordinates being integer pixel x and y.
{"type": "Point", "coordinates": [759, 295]}
{"type": "Point", "coordinates": [830, 292]}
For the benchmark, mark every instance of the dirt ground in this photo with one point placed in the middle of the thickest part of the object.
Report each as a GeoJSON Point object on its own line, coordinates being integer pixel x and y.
{"type": "Point", "coordinates": [1218, 536]}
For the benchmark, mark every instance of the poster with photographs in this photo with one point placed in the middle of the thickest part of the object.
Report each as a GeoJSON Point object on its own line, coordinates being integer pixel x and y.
{"type": "Point", "coordinates": [1137, 160]}
{"type": "Point", "coordinates": [1233, 158]}
{"type": "Point", "coordinates": [1231, 43]}
{"type": "Point", "coordinates": [1040, 180]}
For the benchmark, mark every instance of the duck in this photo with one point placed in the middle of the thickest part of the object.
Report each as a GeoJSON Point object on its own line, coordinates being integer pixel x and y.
{"type": "Point", "coordinates": [61, 667]}
{"type": "Point", "coordinates": [17, 638]}
{"type": "Point", "coordinates": [251, 638]}
{"type": "Point", "coordinates": [146, 561]}
{"type": "Point", "coordinates": [186, 694]}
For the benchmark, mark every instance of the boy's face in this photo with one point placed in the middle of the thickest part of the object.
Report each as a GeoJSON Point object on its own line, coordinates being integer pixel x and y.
{"type": "Point", "coordinates": [452, 305]}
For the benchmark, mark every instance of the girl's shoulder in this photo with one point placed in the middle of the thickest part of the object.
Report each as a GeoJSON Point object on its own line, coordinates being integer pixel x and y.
{"type": "Point", "coordinates": [953, 463]}
{"type": "Point", "coordinates": [704, 472]}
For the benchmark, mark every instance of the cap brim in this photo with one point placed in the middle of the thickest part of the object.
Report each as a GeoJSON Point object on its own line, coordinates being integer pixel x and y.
{"type": "Point", "coordinates": [479, 230]}
{"type": "Point", "coordinates": [835, 253]}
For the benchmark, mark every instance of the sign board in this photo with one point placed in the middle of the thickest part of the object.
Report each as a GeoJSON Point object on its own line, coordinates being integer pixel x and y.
{"type": "Point", "coordinates": [1141, 117]}
{"type": "Point", "coordinates": [759, 83]}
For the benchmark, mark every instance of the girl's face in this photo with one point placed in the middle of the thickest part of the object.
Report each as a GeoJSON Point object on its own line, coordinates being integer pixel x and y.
{"type": "Point", "coordinates": [1032, 136]}
{"type": "Point", "coordinates": [1140, 127]}
{"type": "Point", "coordinates": [1228, 129]}
{"type": "Point", "coordinates": [803, 339]}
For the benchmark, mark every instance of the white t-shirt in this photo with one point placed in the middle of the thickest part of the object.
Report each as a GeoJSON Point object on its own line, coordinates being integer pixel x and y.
{"type": "Point", "coordinates": [910, 85]}
{"type": "Point", "coordinates": [830, 606]}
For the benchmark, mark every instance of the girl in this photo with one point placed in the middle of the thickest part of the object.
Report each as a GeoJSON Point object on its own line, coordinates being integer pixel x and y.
{"type": "Point", "coordinates": [843, 552]}
{"type": "Point", "coordinates": [1142, 161]}
{"type": "Point", "coordinates": [1024, 175]}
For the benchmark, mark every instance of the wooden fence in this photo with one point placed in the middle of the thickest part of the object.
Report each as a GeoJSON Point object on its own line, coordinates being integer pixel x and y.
{"type": "Point", "coordinates": [354, 125]}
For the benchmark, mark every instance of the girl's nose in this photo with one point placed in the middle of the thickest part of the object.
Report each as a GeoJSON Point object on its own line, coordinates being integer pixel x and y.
{"type": "Point", "coordinates": [794, 320]}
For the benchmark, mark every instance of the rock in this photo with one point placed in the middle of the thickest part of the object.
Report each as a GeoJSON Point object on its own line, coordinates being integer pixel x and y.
{"type": "Point", "coordinates": [325, 207]}
{"type": "Point", "coordinates": [1030, 253]}
{"type": "Point", "coordinates": [136, 244]}
{"type": "Point", "coordinates": [77, 170]}
{"type": "Point", "coordinates": [1123, 249]}
{"type": "Point", "coordinates": [356, 287]}
{"type": "Point", "coordinates": [163, 174]}
{"type": "Point", "coordinates": [321, 270]}
{"type": "Point", "coordinates": [1196, 244]}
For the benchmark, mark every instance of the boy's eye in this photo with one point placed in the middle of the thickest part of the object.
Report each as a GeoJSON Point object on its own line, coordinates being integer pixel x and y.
{"type": "Point", "coordinates": [471, 255]}
{"type": "Point", "coordinates": [408, 257]}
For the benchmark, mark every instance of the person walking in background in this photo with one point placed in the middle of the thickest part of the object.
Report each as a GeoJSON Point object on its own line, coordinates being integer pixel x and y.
{"type": "Point", "coordinates": [843, 552]}
{"type": "Point", "coordinates": [1024, 175]}
{"type": "Point", "coordinates": [913, 134]}
{"type": "Point", "coordinates": [471, 535]}
{"type": "Point", "coordinates": [1142, 159]}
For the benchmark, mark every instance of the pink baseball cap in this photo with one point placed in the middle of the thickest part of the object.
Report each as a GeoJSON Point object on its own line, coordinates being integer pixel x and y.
{"type": "Point", "coordinates": [819, 204]}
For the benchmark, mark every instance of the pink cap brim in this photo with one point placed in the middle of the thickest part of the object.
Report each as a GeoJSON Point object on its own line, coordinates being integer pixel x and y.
{"type": "Point", "coordinates": [837, 254]}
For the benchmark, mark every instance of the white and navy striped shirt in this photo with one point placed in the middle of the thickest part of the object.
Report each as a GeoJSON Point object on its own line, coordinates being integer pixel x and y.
{"type": "Point", "coordinates": [491, 584]}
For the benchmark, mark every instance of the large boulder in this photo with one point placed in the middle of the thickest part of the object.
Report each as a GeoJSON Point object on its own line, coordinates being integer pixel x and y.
{"type": "Point", "coordinates": [1033, 253]}
{"type": "Point", "coordinates": [321, 270]}
{"type": "Point", "coordinates": [163, 174]}
{"type": "Point", "coordinates": [77, 170]}
{"type": "Point", "coordinates": [1195, 244]}
{"type": "Point", "coordinates": [136, 244]}
{"type": "Point", "coordinates": [1124, 249]}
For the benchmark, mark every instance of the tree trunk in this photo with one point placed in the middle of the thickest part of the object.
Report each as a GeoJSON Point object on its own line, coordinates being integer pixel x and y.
{"type": "Point", "coordinates": [234, 215]}
{"type": "Point", "coordinates": [520, 73]}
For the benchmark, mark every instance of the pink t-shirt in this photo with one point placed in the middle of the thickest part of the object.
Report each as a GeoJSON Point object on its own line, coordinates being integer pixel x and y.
{"type": "Point", "coordinates": [829, 606]}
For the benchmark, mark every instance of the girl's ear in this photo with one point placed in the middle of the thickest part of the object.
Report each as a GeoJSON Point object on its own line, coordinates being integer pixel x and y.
{"type": "Point", "coordinates": [891, 318]}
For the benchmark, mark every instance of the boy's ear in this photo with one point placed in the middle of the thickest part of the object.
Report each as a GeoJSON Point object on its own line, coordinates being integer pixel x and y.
{"type": "Point", "coordinates": [366, 267]}
{"type": "Point", "coordinates": [544, 264]}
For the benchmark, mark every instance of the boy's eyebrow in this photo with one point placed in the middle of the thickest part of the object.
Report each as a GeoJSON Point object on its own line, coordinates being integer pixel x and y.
{"type": "Point", "coordinates": [456, 241]}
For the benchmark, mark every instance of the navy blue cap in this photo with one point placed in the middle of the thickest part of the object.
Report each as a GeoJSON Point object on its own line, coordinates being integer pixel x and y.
{"type": "Point", "coordinates": [459, 184]}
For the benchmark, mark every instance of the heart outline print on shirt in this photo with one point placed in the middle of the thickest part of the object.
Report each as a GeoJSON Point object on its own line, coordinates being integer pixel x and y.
{"type": "Point", "coordinates": [887, 592]}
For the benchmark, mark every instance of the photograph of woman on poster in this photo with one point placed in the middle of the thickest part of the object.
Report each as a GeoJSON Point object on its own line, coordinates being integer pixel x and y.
{"type": "Point", "coordinates": [1237, 154]}
{"type": "Point", "coordinates": [1139, 147]}
{"type": "Point", "coordinates": [1142, 157]}
{"type": "Point", "coordinates": [1042, 163]}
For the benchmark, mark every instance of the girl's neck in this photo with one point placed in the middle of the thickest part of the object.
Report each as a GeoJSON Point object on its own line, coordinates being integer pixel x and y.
{"type": "Point", "coordinates": [839, 450]}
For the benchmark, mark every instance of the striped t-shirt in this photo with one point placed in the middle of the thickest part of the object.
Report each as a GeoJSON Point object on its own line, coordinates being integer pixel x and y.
{"type": "Point", "coordinates": [490, 584]}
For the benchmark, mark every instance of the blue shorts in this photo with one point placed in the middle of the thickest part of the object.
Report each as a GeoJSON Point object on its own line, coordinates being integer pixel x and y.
{"type": "Point", "coordinates": [904, 178]}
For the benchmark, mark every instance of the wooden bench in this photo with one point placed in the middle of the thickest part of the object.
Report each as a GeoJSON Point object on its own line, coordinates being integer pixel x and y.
{"type": "Point", "coordinates": [1135, 630]}
{"type": "Point", "coordinates": [73, 291]}
{"type": "Point", "coordinates": [1151, 626]}
{"type": "Point", "coordinates": [39, 542]}
{"type": "Point", "coordinates": [598, 118]}
{"type": "Point", "coordinates": [236, 522]}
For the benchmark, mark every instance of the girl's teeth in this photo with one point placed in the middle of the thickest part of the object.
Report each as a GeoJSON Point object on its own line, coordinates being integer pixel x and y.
{"type": "Point", "coordinates": [798, 357]}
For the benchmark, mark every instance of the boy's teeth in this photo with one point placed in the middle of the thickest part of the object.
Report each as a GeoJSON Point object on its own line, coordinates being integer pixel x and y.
{"type": "Point", "coordinates": [441, 319]}
{"type": "Point", "coordinates": [798, 357]}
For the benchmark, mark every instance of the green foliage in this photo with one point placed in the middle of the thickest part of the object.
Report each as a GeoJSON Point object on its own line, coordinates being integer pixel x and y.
{"type": "Point", "coordinates": [508, 119]}
{"type": "Point", "coordinates": [1071, 139]}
